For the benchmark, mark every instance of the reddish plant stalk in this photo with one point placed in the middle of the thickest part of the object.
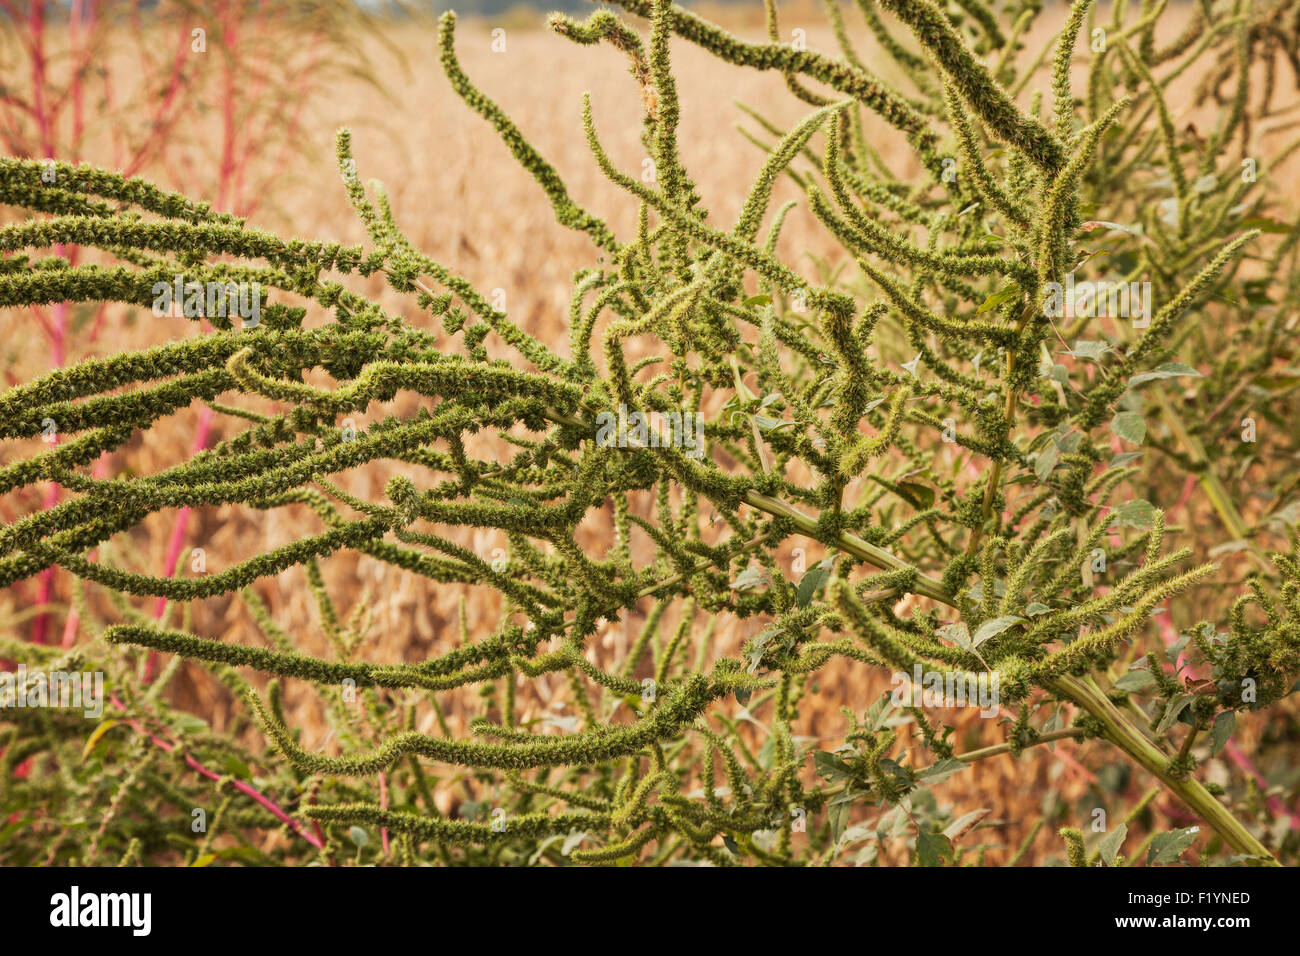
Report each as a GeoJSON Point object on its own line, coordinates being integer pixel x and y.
{"type": "Point", "coordinates": [191, 761]}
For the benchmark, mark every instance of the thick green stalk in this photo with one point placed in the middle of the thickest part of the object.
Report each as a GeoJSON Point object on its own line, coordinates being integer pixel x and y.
{"type": "Point", "coordinates": [850, 543]}
{"type": "Point", "coordinates": [1123, 734]}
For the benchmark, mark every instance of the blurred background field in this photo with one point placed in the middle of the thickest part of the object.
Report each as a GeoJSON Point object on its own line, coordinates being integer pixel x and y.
{"type": "Point", "coordinates": [250, 126]}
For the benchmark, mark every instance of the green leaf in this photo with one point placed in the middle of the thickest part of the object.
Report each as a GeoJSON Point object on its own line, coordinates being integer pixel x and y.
{"type": "Point", "coordinates": [1069, 442]}
{"type": "Point", "coordinates": [766, 424]}
{"type": "Point", "coordinates": [749, 579]}
{"type": "Point", "coordinates": [189, 724]}
{"type": "Point", "coordinates": [1046, 461]}
{"type": "Point", "coordinates": [1168, 847]}
{"type": "Point", "coordinates": [542, 847]}
{"type": "Point", "coordinates": [830, 767]}
{"type": "Point", "coordinates": [758, 645]}
{"type": "Point", "coordinates": [837, 813]}
{"type": "Point", "coordinates": [813, 581]}
{"type": "Point", "coordinates": [1089, 351]}
{"type": "Point", "coordinates": [358, 836]}
{"type": "Point", "coordinates": [1111, 843]}
{"type": "Point", "coordinates": [1123, 458]}
{"type": "Point", "coordinates": [1175, 650]}
{"type": "Point", "coordinates": [931, 848]}
{"type": "Point", "coordinates": [1129, 426]}
{"type": "Point", "coordinates": [1005, 294]}
{"type": "Point", "coordinates": [1036, 608]}
{"type": "Point", "coordinates": [1168, 370]}
{"type": "Point", "coordinates": [1138, 513]}
{"type": "Point", "coordinates": [878, 713]}
{"type": "Point", "coordinates": [991, 629]}
{"type": "Point", "coordinates": [237, 768]}
{"type": "Point", "coordinates": [942, 770]}
{"type": "Point", "coordinates": [1223, 727]}
{"type": "Point", "coordinates": [867, 855]}
{"type": "Point", "coordinates": [922, 496]}
{"type": "Point", "coordinates": [857, 833]}
{"type": "Point", "coordinates": [958, 634]}
{"type": "Point", "coordinates": [14, 826]}
{"type": "Point", "coordinates": [1228, 547]}
{"type": "Point", "coordinates": [1135, 680]}
{"type": "Point", "coordinates": [1176, 707]}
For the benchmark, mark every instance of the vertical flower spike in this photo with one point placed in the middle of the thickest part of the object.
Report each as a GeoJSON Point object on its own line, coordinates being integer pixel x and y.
{"type": "Point", "coordinates": [567, 212]}
{"type": "Point", "coordinates": [977, 87]}
{"type": "Point", "coordinates": [675, 184]}
{"type": "Point", "coordinates": [782, 155]}
{"type": "Point", "coordinates": [1062, 98]}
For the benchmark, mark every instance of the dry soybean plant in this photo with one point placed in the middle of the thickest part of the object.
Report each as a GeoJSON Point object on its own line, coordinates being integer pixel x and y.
{"type": "Point", "coordinates": [969, 415]}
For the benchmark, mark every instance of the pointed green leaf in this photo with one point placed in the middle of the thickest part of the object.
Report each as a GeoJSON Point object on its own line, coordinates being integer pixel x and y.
{"type": "Point", "coordinates": [1111, 843]}
{"type": "Point", "coordinates": [1129, 426]}
{"type": "Point", "coordinates": [991, 629]}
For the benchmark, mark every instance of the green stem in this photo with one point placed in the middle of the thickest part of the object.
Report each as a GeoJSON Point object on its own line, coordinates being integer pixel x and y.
{"type": "Point", "coordinates": [983, 753]}
{"type": "Point", "coordinates": [850, 543]}
{"type": "Point", "coordinates": [1123, 734]}
{"type": "Point", "coordinates": [1009, 419]}
{"type": "Point", "coordinates": [1119, 730]}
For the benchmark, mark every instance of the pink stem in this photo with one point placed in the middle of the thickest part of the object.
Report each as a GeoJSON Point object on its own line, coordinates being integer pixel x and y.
{"type": "Point", "coordinates": [239, 785]}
